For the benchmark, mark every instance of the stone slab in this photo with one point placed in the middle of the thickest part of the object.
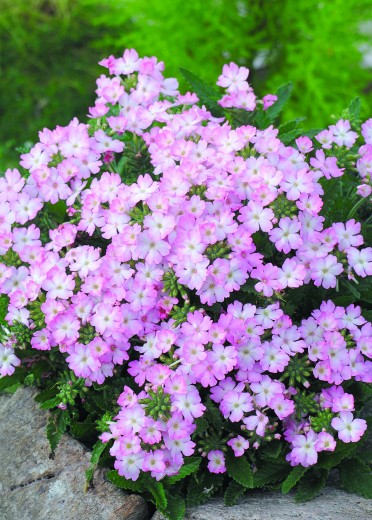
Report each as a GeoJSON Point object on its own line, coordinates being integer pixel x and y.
{"type": "Point", "coordinates": [35, 487]}
{"type": "Point", "coordinates": [332, 504]}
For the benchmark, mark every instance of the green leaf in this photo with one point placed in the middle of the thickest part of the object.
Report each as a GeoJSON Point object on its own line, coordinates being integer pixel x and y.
{"type": "Point", "coordinates": [312, 133]}
{"type": "Point", "coordinates": [367, 315]}
{"type": "Point", "coordinates": [356, 476]}
{"type": "Point", "coordinates": [290, 125]}
{"type": "Point", "coordinates": [239, 469]}
{"type": "Point", "coordinates": [176, 508]}
{"type": "Point", "coordinates": [207, 95]}
{"type": "Point", "coordinates": [8, 381]}
{"type": "Point", "coordinates": [269, 474]}
{"type": "Point", "coordinates": [157, 491]}
{"type": "Point", "coordinates": [295, 475]}
{"type": "Point", "coordinates": [289, 137]}
{"type": "Point", "coordinates": [233, 492]}
{"type": "Point", "coordinates": [57, 210]}
{"type": "Point", "coordinates": [239, 117]}
{"type": "Point", "coordinates": [195, 493]}
{"type": "Point", "coordinates": [45, 395]}
{"type": "Point", "coordinates": [123, 483]}
{"type": "Point", "coordinates": [186, 470]}
{"type": "Point", "coordinates": [290, 130]}
{"type": "Point", "coordinates": [354, 108]}
{"type": "Point", "coordinates": [201, 426]}
{"type": "Point", "coordinates": [272, 450]}
{"type": "Point", "coordinates": [81, 430]}
{"type": "Point", "coordinates": [56, 427]}
{"type": "Point", "coordinates": [352, 289]}
{"type": "Point", "coordinates": [4, 302]}
{"type": "Point", "coordinates": [310, 485]}
{"type": "Point", "coordinates": [331, 459]}
{"type": "Point", "coordinates": [200, 490]}
{"type": "Point", "coordinates": [367, 455]}
{"type": "Point", "coordinates": [213, 415]}
{"type": "Point", "coordinates": [283, 93]}
{"type": "Point", "coordinates": [97, 451]}
{"type": "Point", "coordinates": [50, 403]}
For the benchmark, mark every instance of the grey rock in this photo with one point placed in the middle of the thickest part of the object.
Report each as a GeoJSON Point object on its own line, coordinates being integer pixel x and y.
{"type": "Point", "coordinates": [35, 487]}
{"type": "Point", "coordinates": [332, 504]}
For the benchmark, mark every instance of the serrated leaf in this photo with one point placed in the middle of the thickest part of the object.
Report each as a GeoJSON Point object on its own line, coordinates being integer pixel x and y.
{"type": "Point", "coordinates": [88, 477]}
{"type": "Point", "coordinates": [293, 478]}
{"type": "Point", "coordinates": [290, 136]}
{"type": "Point", "coordinates": [213, 415]}
{"type": "Point", "coordinates": [200, 490]}
{"type": "Point", "coordinates": [186, 470]}
{"type": "Point", "coordinates": [97, 451]}
{"type": "Point", "coordinates": [56, 427]}
{"type": "Point", "coordinates": [201, 426]}
{"type": "Point", "coordinates": [195, 495]}
{"type": "Point", "coordinates": [82, 429]}
{"type": "Point", "coordinates": [310, 485]}
{"type": "Point", "coordinates": [261, 119]}
{"type": "Point", "coordinates": [240, 470]}
{"type": "Point", "coordinates": [240, 117]}
{"type": "Point", "coordinates": [176, 508]}
{"type": "Point", "coordinates": [206, 94]}
{"type": "Point", "coordinates": [50, 403]}
{"type": "Point", "coordinates": [123, 483]}
{"type": "Point", "coordinates": [290, 125]}
{"type": "Point", "coordinates": [284, 93]}
{"type": "Point", "coordinates": [233, 492]}
{"type": "Point", "coordinates": [157, 491]}
{"type": "Point", "coordinates": [45, 395]}
{"type": "Point", "coordinates": [269, 474]}
{"type": "Point", "coordinates": [356, 476]}
{"type": "Point", "coordinates": [272, 450]}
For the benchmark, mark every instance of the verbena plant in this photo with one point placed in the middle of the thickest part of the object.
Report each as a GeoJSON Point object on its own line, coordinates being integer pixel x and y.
{"type": "Point", "coordinates": [189, 284]}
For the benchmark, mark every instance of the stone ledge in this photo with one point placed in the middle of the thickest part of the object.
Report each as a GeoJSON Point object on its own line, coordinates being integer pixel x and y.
{"type": "Point", "coordinates": [331, 504]}
{"type": "Point", "coordinates": [34, 487]}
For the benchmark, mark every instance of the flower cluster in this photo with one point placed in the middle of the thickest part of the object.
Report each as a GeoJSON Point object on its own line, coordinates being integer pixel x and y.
{"type": "Point", "coordinates": [182, 274]}
{"type": "Point", "coordinates": [364, 163]}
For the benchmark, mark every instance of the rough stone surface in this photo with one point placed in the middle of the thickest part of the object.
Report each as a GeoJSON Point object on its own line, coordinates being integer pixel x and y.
{"type": "Point", "coordinates": [35, 487]}
{"type": "Point", "coordinates": [332, 504]}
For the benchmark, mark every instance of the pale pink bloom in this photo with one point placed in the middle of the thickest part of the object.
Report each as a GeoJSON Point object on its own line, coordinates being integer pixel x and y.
{"type": "Point", "coordinates": [349, 429]}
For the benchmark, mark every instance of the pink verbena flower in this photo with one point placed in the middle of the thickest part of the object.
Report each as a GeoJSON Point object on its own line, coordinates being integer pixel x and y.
{"type": "Point", "coordinates": [349, 429]}
{"type": "Point", "coordinates": [8, 361]}
{"type": "Point", "coordinates": [216, 462]}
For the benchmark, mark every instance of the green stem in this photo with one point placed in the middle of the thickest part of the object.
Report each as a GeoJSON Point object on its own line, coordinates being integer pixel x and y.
{"type": "Point", "coordinates": [355, 208]}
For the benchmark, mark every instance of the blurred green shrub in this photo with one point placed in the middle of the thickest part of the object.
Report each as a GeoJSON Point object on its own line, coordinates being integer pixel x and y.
{"type": "Point", "coordinates": [49, 51]}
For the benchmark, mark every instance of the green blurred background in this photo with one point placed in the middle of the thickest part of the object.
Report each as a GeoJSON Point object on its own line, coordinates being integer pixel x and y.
{"type": "Point", "coordinates": [49, 51]}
